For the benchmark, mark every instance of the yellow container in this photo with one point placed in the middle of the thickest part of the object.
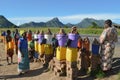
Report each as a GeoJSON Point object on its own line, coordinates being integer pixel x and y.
{"type": "Point", "coordinates": [36, 46]}
{"type": "Point", "coordinates": [71, 54]}
{"type": "Point", "coordinates": [10, 45]}
{"type": "Point", "coordinates": [41, 49]}
{"type": "Point", "coordinates": [61, 53]}
{"type": "Point", "coordinates": [48, 49]}
{"type": "Point", "coordinates": [21, 32]}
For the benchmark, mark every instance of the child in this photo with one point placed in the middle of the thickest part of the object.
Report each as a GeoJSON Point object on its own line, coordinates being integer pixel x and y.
{"type": "Point", "coordinates": [9, 47]}
{"type": "Point", "coordinates": [31, 51]}
{"type": "Point", "coordinates": [85, 55]}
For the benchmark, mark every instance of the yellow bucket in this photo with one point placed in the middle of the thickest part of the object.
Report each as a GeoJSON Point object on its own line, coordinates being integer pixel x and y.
{"type": "Point", "coordinates": [48, 49]}
{"type": "Point", "coordinates": [61, 53]}
{"type": "Point", "coordinates": [71, 54]}
{"type": "Point", "coordinates": [36, 46]}
{"type": "Point", "coordinates": [41, 49]}
{"type": "Point", "coordinates": [10, 45]}
{"type": "Point", "coordinates": [21, 32]}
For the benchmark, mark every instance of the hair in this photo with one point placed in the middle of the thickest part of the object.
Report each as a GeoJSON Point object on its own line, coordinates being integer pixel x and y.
{"type": "Point", "coordinates": [62, 31]}
{"type": "Point", "coordinates": [24, 33]}
{"type": "Point", "coordinates": [8, 32]}
{"type": "Point", "coordinates": [49, 31]}
{"type": "Point", "coordinates": [109, 22]}
{"type": "Point", "coordinates": [42, 32]}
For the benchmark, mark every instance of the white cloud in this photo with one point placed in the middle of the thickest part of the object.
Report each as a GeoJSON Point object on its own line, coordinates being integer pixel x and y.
{"type": "Point", "coordinates": [67, 19]}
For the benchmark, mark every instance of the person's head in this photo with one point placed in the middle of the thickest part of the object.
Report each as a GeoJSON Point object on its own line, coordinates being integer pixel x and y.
{"type": "Point", "coordinates": [54, 35]}
{"type": "Point", "coordinates": [62, 31]}
{"type": "Point", "coordinates": [74, 29]}
{"type": "Point", "coordinates": [86, 40]}
{"type": "Point", "coordinates": [49, 32]}
{"type": "Point", "coordinates": [24, 34]}
{"type": "Point", "coordinates": [30, 31]}
{"type": "Point", "coordinates": [80, 38]}
{"type": "Point", "coordinates": [16, 30]}
{"type": "Point", "coordinates": [8, 32]}
{"type": "Point", "coordinates": [38, 32]}
{"type": "Point", "coordinates": [108, 23]}
{"type": "Point", "coordinates": [42, 32]}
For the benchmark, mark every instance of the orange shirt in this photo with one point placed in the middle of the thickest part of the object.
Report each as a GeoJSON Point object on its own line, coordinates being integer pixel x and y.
{"type": "Point", "coordinates": [29, 36]}
{"type": "Point", "coordinates": [79, 44]}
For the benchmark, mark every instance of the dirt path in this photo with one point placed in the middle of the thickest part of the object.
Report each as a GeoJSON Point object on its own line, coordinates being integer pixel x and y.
{"type": "Point", "coordinates": [9, 72]}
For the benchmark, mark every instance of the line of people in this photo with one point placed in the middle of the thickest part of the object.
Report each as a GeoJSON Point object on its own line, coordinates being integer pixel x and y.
{"type": "Point", "coordinates": [29, 45]}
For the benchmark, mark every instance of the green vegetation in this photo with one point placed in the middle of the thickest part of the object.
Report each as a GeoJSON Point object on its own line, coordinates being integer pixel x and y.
{"type": "Point", "coordinates": [94, 25]}
{"type": "Point", "coordinates": [90, 31]}
{"type": "Point", "coordinates": [118, 76]}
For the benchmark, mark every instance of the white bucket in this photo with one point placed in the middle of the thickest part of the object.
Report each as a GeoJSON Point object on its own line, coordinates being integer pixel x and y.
{"type": "Point", "coordinates": [48, 38]}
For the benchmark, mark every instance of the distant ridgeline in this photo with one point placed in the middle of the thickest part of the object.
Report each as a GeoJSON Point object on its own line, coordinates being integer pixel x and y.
{"type": "Point", "coordinates": [4, 23]}
{"type": "Point", "coordinates": [55, 22]}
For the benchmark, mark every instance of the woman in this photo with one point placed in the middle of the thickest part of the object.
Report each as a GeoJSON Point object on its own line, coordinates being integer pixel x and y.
{"type": "Point", "coordinates": [29, 37]}
{"type": "Point", "coordinates": [16, 38]}
{"type": "Point", "coordinates": [41, 42]}
{"type": "Point", "coordinates": [23, 60]}
{"type": "Point", "coordinates": [107, 40]}
{"type": "Point", "coordinates": [9, 46]}
{"type": "Point", "coordinates": [85, 55]}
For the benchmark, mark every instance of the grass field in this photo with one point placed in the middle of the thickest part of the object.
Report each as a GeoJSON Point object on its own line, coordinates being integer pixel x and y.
{"type": "Point", "coordinates": [90, 31]}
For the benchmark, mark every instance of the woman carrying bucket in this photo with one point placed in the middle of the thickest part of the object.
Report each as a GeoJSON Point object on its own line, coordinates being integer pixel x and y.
{"type": "Point", "coordinates": [36, 40]}
{"type": "Point", "coordinates": [61, 49]}
{"type": "Point", "coordinates": [41, 42]}
{"type": "Point", "coordinates": [48, 47]}
{"type": "Point", "coordinates": [72, 53]}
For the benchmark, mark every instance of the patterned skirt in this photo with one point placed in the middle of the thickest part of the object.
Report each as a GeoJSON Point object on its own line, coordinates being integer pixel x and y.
{"type": "Point", "coordinates": [23, 62]}
{"type": "Point", "coordinates": [107, 51]}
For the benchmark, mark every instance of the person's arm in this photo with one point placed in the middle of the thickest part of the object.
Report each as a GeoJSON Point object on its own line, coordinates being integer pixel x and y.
{"type": "Point", "coordinates": [103, 36]}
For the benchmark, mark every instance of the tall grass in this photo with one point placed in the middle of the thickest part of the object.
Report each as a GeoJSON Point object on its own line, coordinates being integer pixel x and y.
{"type": "Point", "coordinates": [118, 76]}
{"type": "Point", "coordinates": [91, 31]}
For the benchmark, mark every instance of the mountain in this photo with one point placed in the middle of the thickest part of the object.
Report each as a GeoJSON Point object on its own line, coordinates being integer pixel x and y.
{"type": "Point", "coordinates": [4, 23]}
{"type": "Point", "coordinates": [69, 25]}
{"type": "Point", "coordinates": [51, 23]}
{"type": "Point", "coordinates": [54, 23]}
{"type": "Point", "coordinates": [88, 22]}
{"type": "Point", "coordinates": [33, 24]}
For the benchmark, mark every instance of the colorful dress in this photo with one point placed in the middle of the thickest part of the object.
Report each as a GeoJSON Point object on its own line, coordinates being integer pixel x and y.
{"type": "Point", "coordinates": [41, 49]}
{"type": "Point", "coordinates": [85, 55]}
{"type": "Point", "coordinates": [9, 46]}
{"type": "Point", "coordinates": [36, 42]}
{"type": "Point", "coordinates": [29, 38]}
{"type": "Point", "coordinates": [107, 40]}
{"type": "Point", "coordinates": [16, 38]}
{"type": "Point", "coordinates": [23, 62]}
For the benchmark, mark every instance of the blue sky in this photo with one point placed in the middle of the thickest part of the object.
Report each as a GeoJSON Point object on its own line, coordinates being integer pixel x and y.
{"type": "Point", "coordinates": [73, 11]}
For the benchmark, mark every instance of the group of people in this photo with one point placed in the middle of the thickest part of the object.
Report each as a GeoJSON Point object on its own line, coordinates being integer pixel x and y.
{"type": "Point", "coordinates": [25, 45]}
